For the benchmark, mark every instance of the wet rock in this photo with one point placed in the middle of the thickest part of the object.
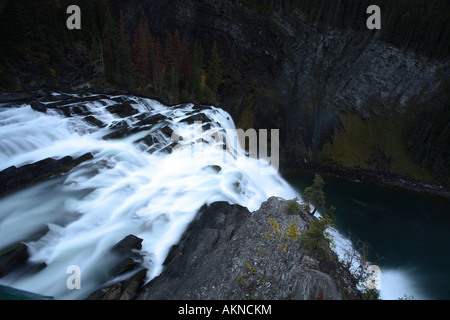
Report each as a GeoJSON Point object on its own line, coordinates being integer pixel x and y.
{"type": "Point", "coordinates": [127, 244]}
{"type": "Point", "coordinates": [123, 110]}
{"type": "Point", "coordinates": [80, 110]}
{"type": "Point", "coordinates": [167, 131]}
{"type": "Point", "coordinates": [94, 121]}
{"type": "Point", "coordinates": [216, 168]}
{"type": "Point", "coordinates": [129, 259]}
{"type": "Point", "coordinates": [59, 97]}
{"type": "Point", "coordinates": [148, 140]}
{"type": "Point", "coordinates": [151, 120]}
{"type": "Point", "coordinates": [127, 274]}
{"type": "Point", "coordinates": [122, 290]}
{"type": "Point", "coordinates": [169, 149]}
{"type": "Point", "coordinates": [75, 100]}
{"type": "Point", "coordinates": [14, 178]}
{"type": "Point", "coordinates": [198, 117]}
{"type": "Point", "coordinates": [118, 134]}
{"type": "Point", "coordinates": [13, 257]}
{"type": "Point", "coordinates": [38, 106]}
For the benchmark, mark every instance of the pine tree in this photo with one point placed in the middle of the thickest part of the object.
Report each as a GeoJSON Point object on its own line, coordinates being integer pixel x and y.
{"type": "Point", "coordinates": [197, 67]}
{"type": "Point", "coordinates": [186, 64]}
{"type": "Point", "coordinates": [90, 27]}
{"type": "Point", "coordinates": [158, 69]}
{"type": "Point", "coordinates": [125, 65]}
{"type": "Point", "coordinates": [111, 42]}
{"type": "Point", "coordinates": [170, 63]}
{"type": "Point", "coordinates": [317, 238]}
{"type": "Point", "coordinates": [178, 55]}
{"type": "Point", "coordinates": [141, 51]}
{"type": "Point", "coordinates": [314, 194]}
{"type": "Point", "coordinates": [13, 30]}
{"type": "Point", "coordinates": [214, 73]}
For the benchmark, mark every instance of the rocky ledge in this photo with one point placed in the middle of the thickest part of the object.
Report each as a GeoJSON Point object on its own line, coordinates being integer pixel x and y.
{"type": "Point", "coordinates": [14, 178]}
{"type": "Point", "coordinates": [379, 178]}
{"type": "Point", "coordinates": [230, 253]}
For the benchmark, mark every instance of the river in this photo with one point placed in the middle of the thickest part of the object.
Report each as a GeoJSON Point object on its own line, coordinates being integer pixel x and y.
{"type": "Point", "coordinates": [130, 187]}
{"type": "Point", "coordinates": [407, 234]}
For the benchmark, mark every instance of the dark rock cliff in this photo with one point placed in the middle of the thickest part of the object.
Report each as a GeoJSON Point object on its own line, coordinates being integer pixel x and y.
{"type": "Point", "coordinates": [341, 98]}
{"type": "Point", "coordinates": [227, 253]}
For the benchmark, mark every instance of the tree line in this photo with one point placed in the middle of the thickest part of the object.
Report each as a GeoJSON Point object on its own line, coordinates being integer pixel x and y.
{"type": "Point", "coordinates": [169, 69]}
{"type": "Point", "coordinates": [172, 69]}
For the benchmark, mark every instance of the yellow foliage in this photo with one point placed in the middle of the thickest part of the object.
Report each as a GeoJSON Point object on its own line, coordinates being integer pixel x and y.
{"type": "Point", "coordinates": [202, 80]}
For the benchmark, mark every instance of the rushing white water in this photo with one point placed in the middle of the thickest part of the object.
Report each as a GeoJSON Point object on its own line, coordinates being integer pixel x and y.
{"type": "Point", "coordinates": [123, 190]}
{"type": "Point", "coordinates": [393, 284]}
{"type": "Point", "coordinates": [400, 284]}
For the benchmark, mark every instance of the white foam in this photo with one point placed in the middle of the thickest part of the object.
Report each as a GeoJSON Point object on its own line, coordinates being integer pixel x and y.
{"type": "Point", "coordinates": [123, 190]}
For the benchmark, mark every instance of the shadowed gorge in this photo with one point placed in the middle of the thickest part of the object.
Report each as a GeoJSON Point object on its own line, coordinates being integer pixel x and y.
{"type": "Point", "coordinates": [119, 150]}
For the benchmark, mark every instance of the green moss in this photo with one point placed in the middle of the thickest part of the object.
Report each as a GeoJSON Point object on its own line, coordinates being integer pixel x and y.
{"type": "Point", "coordinates": [377, 144]}
{"type": "Point", "coordinates": [247, 119]}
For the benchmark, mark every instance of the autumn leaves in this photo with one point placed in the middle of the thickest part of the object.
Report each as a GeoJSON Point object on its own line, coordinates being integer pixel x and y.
{"type": "Point", "coordinates": [168, 69]}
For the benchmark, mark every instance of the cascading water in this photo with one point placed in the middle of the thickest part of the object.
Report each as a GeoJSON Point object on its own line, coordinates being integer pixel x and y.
{"type": "Point", "coordinates": [151, 190]}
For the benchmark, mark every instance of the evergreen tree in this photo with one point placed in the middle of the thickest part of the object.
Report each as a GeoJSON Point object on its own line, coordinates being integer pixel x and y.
{"type": "Point", "coordinates": [111, 43]}
{"type": "Point", "coordinates": [186, 64]}
{"type": "Point", "coordinates": [13, 30]}
{"type": "Point", "coordinates": [141, 48]}
{"type": "Point", "coordinates": [125, 65]}
{"type": "Point", "coordinates": [98, 62]}
{"type": "Point", "coordinates": [214, 72]}
{"type": "Point", "coordinates": [314, 194]}
{"type": "Point", "coordinates": [158, 69]}
{"type": "Point", "coordinates": [170, 62]}
{"type": "Point", "coordinates": [317, 239]}
{"type": "Point", "coordinates": [197, 67]}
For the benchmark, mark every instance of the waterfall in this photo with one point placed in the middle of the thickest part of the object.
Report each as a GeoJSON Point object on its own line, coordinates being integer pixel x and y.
{"type": "Point", "coordinates": [140, 181]}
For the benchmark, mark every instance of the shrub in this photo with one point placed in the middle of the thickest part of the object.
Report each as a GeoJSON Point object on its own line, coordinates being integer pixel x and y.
{"type": "Point", "coordinates": [317, 239]}
{"type": "Point", "coordinates": [314, 194]}
{"type": "Point", "coordinates": [295, 208]}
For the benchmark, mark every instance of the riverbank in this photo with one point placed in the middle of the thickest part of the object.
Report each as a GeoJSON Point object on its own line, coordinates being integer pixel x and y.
{"type": "Point", "coordinates": [383, 179]}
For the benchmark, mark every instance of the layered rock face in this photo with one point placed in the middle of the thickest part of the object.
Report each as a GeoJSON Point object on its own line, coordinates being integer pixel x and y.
{"type": "Point", "coordinates": [341, 98]}
{"type": "Point", "coordinates": [228, 253]}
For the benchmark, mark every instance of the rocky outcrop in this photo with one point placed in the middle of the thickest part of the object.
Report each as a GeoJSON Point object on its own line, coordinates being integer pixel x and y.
{"type": "Point", "coordinates": [16, 255]}
{"type": "Point", "coordinates": [12, 257]}
{"type": "Point", "coordinates": [228, 253]}
{"type": "Point", "coordinates": [127, 274]}
{"type": "Point", "coordinates": [14, 178]}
